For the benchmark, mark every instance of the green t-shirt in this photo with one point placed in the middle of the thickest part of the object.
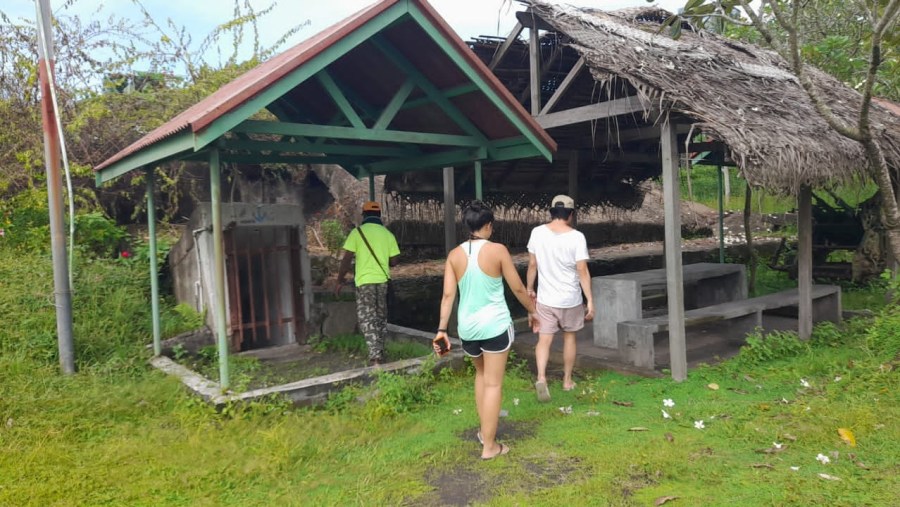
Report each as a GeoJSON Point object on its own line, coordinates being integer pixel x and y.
{"type": "Point", "coordinates": [383, 243]}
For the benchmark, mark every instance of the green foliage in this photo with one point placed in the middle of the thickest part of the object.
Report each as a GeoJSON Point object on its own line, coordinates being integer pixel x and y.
{"type": "Point", "coordinates": [776, 345]}
{"type": "Point", "coordinates": [98, 235]}
{"type": "Point", "coordinates": [401, 393]}
{"type": "Point", "coordinates": [111, 314]}
{"type": "Point", "coordinates": [333, 235]}
{"type": "Point", "coordinates": [25, 221]}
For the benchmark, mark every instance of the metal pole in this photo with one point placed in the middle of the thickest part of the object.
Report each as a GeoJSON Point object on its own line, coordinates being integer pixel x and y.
{"type": "Point", "coordinates": [154, 269]}
{"type": "Point", "coordinates": [721, 216]}
{"type": "Point", "coordinates": [62, 289]}
{"type": "Point", "coordinates": [371, 187]}
{"type": "Point", "coordinates": [215, 183]}
{"type": "Point", "coordinates": [479, 193]}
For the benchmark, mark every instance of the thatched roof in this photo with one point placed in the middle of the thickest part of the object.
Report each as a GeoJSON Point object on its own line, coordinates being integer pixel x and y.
{"type": "Point", "coordinates": [739, 93]}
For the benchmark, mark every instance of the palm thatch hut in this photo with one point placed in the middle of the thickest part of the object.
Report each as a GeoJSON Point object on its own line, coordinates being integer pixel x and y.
{"type": "Point", "coordinates": [625, 102]}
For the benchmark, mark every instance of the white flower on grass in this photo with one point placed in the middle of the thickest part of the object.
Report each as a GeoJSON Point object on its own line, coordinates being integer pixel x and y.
{"type": "Point", "coordinates": [699, 425]}
{"type": "Point", "coordinates": [804, 383]}
{"type": "Point", "coordinates": [785, 401]}
{"type": "Point", "coordinates": [668, 402]}
{"type": "Point", "coordinates": [776, 445]}
{"type": "Point", "coordinates": [566, 410]}
{"type": "Point", "coordinates": [666, 415]}
{"type": "Point", "coordinates": [823, 459]}
{"type": "Point", "coordinates": [516, 401]}
{"type": "Point", "coordinates": [592, 413]}
{"type": "Point", "coordinates": [457, 411]}
{"type": "Point", "coordinates": [795, 468]}
{"type": "Point", "coordinates": [837, 379]}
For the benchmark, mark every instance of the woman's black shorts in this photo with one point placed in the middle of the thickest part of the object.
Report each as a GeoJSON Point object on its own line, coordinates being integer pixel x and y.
{"type": "Point", "coordinates": [497, 344]}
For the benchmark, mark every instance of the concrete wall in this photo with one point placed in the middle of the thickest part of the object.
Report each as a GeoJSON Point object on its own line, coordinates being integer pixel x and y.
{"type": "Point", "coordinates": [192, 261]}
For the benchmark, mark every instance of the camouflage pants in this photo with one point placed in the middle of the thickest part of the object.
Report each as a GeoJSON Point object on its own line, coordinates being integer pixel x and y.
{"type": "Point", "coordinates": [371, 310]}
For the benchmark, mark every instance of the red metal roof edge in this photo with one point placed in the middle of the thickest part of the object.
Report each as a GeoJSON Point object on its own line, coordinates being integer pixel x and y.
{"type": "Point", "coordinates": [486, 73]}
{"type": "Point", "coordinates": [247, 85]}
{"type": "Point", "coordinates": [252, 82]}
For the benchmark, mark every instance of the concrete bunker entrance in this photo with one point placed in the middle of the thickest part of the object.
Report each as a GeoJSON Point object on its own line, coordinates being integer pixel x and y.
{"type": "Point", "coordinates": [264, 279]}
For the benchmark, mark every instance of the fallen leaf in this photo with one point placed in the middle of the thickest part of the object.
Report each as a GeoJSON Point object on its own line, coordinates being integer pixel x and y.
{"type": "Point", "coordinates": [669, 437]}
{"type": "Point", "coordinates": [663, 499]}
{"type": "Point", "coordinates": [713, 386]}
{"type": "Point", "coordinates": [638, 428]}
{"type": "Point", "coordinates": [847, 436]}
{"type": "Point", "coordinates": [862, 465]}
{"type": "Point", "coordinates": [764, 406]}
{"type": "Point", "coordinates": [623, 403]}
{"type": "Point", "coordinates": [762, 465]}
{"type": "Point", "coordinates": [748, 378]}
{"type": "Point", "coordinates": [790, 437]}
{"type": "Point", "coordinates": [829, 477]}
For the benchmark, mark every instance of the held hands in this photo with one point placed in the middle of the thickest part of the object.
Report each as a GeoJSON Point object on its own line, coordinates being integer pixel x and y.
{"type": "Point", "coordinates": [534, 323]}
{"type": "Point", "coordinates": [441, 343]}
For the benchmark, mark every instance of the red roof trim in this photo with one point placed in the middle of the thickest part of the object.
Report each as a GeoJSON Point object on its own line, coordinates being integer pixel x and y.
{"type": "Point", "coordinates": [256, 80]}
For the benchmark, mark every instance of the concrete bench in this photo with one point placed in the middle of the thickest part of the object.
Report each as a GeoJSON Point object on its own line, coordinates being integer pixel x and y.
{"type": "Point", "coordinates": [636, 337]}
{"type": "Point", "coordinates": [621, 297]}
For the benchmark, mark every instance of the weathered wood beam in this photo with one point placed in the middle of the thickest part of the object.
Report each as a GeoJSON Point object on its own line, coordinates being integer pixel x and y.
{"type": "Point", "coordinates": [534, 58]}
{"type": "Point", "coordinates": [618, 137]}
{"type": "Point", "coordinates": [529, 19]}
{"type": "Point", "coordinates": [607, 109]}
{"type": "Point", "coordinates": [449, 210]}
{"type": "Point", "coordinates": [674, 276]}
{"type": "Point", "coordinates": [544, 69]}
{"type": "Point", "coordinates": [504, 48]}
{"type": "Point", "coordinates": [804, 262]}
{"type": "Point", "coordinates": [563, 87]}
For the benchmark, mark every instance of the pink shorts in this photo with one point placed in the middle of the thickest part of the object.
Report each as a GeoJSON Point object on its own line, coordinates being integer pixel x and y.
{"type": "Point", "coordinates": [553, 319]}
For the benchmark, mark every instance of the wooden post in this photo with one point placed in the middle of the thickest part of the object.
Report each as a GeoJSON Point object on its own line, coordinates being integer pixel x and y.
{"type": "Point", "coordinates": [449, 210]}
{"type": "Point", "coordinates": [721, 217]}
{"type": "Point", "coordinates": [804, 262]}
{"type": "Point", "coordinates": [534, 52]}
{"type": "Point", "coordinates": [573, 181]}
{"type": "Point", "coordinates": [674, 278]}
{"type": "Point", "coordinates": [479, 191]}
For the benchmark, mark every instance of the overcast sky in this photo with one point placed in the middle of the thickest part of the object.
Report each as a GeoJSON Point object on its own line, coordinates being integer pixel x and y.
{"type": "Point", "coordinates": [468, 17]}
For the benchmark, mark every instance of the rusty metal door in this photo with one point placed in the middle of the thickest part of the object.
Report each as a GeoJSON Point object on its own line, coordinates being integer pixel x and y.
{"type": "Point", "coordinates": [264, 286]}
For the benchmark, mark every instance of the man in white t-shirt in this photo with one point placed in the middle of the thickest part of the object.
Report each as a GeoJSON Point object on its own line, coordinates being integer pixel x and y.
{"type": "Point", "coordinates": [557, 257]}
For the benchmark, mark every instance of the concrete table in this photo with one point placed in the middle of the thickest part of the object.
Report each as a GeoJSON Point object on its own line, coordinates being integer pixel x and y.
{"type": "Point", "coordinates": [619, 297]}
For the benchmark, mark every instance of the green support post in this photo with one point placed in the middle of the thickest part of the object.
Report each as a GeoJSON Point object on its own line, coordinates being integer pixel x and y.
{"type": "Point", "coordinates": [721, 215]}
{"type": "Point", "coordinates": [479, 194]}
{"type": "Point", "coordinates": [154, 269]}
{"type": "Point", "coordinates": [215, 182]}
{"type": "Point", "coordinates": [371, 187]}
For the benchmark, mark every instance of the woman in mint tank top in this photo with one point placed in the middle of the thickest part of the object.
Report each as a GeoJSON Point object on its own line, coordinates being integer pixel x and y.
{"type": "Point", "coordinates": [477, 269]}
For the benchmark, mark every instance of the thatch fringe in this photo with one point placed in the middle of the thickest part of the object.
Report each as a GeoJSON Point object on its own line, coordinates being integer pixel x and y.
{"type": "Point", "coordinates": [741, 94]}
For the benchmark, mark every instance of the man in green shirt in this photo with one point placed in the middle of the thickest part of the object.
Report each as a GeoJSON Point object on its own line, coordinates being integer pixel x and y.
{"type": "Point", "coordinates": [375, 249]}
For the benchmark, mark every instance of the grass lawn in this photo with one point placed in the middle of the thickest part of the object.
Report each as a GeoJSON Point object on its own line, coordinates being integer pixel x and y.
{"type": "Point", "coordinates": [135, 437]}
{"type": "Point", "coordinates": [120, 433]}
